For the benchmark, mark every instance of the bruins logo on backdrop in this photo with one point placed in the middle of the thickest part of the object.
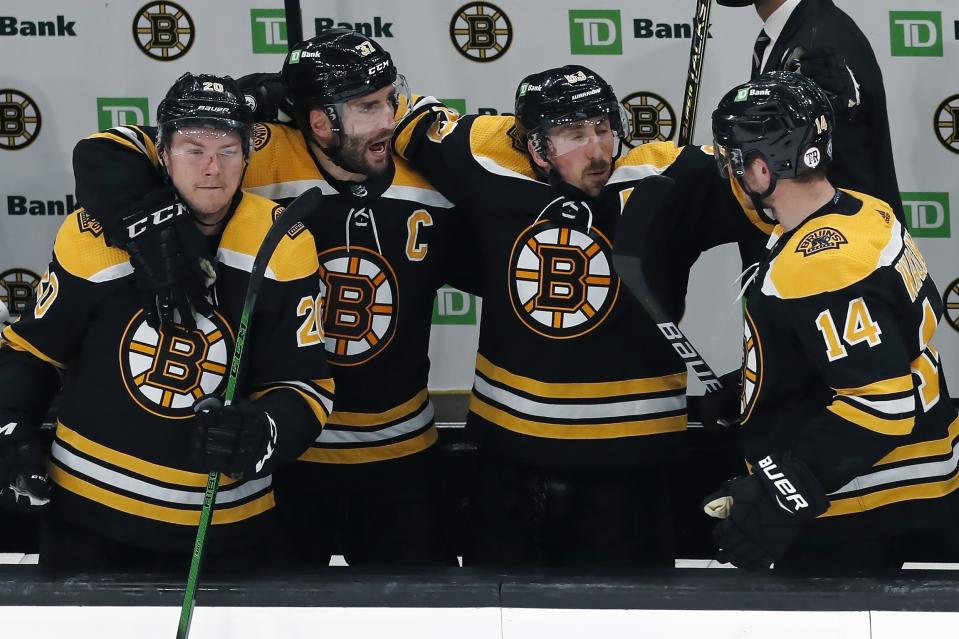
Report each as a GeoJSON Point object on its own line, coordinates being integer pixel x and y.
{"type": "Point", "coordinates": [950, 303]}
{"type": "Point", "coordinates": [165, 372]}
{"type": "Point", "coordinates": [294, 230]}
{"type": "Point", "coordinates": [820, 240]}
{"type": "Point", "coordinates": [652, 119]}
{"type": "Point", "coordinates": [361, 297]}
{"type": "Point", "coordinates": [19, 120]}
{"type": "Point", "coordinates": [946, 123]}
{"type": "Point", "coordinates": [261, 135]}
{"type": "Point", "coordinates": [752, 366]}
{"type": "Point", "coordinates": [87, 224]}
{"type": "Point", "coordinates": [481, 31]}
{"type": "Point", "coordinates": [163, 30]}
{"type": "Point", "coordinates": [560, 281]}
{"type": "Point", "coordinates": [16, 289]}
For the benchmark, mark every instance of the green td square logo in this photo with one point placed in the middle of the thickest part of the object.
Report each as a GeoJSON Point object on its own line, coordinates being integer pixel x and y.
{"type": "Point", "coordinates": [454, 307]}
{"type": "Point", "coordinates": [113, 112]}
{"type": "Point", "coordinates": [457, 104]}
{"type": "Point", "coordinates": [916, 33]}
{"type": "Point", "coordinates": [927, 214]}
{"type": "Point", "coordinates": [595, 32]}
{"type": "Point", "coordinates": [268, 27]}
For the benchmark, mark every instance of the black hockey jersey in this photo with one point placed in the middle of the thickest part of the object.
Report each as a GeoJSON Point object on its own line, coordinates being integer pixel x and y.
{"type": "Point", "coordinates": [384, 246]}
{"type": "Point", "coordinates": [571, 372]}
{"type": "Point", "coordinates": [840, 369]}
{"type": "Point", "coordinates": [121, 460]}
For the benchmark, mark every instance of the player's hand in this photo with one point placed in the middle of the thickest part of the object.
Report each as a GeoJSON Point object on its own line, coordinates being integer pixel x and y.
{"type": "Point", "coordinates": [23, 460]}
{"type": "Point", "coordinates": [763, 514]}
{"type": "Point", "coordinates": [239, 439]}
{"type": "Point", "coordinates": [266, 96]}
{"type": "Point", "coordinates": [831, 73]}
{"type": "Point", "coordinates": [170, 260]}
{"type": "Point", "coordinates": [722, 409]}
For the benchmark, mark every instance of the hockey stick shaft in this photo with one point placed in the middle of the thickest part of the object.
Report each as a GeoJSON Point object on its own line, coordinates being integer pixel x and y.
{"type": "Point", "coordinates": [294, 213]}
{"type": "Point", "coordinates": [294, 22]}
{"type": "Point", "coordinates": [697, 54]}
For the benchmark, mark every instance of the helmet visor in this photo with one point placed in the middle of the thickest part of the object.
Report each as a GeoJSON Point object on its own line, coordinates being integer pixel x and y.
{"type": "Point", "coordinates": [375, 112]}
{"type": "Point", "coordinates": [189, 134]}
{"type": "Point", "coordinates": [572, 132]}
{"type": "Point", "coordinates": [728, 160]}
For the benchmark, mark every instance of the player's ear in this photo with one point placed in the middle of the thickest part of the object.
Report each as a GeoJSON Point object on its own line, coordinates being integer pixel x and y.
{"type": "Point", "coordinates": [320, 125]}
{"type": "Point", "coordinates": [537, 160]}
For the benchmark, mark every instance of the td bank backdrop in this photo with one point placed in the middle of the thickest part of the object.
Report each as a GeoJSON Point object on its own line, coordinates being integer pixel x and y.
{"type": "Point", "coordinates": [71, 67]}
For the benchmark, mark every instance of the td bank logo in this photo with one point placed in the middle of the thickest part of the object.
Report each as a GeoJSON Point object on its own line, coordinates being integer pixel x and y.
{"type": "Point", "coordinates": [927, 214]}
{"type": "Point", "coordinates": [268, 27]}
{"type": "Point", "coordinates": [113, 112]}
{"type": "Point", "coordinates": [595, 32]}
{"type": "Point", "coordinates": [454, 307]}
{"type": "Point", "coordinates": [916, 33]}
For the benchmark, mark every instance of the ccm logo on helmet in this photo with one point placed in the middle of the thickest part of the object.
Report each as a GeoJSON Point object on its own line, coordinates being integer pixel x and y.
{"type": "Point", "coordinates": [783, 485]}
{"type": "Point", "coordinates": [378, 67]}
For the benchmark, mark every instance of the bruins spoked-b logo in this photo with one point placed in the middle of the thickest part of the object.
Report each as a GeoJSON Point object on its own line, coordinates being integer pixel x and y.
{"type": "Point", "coordinates": [16, 289]}
{"type": "Point", "coordinates": [163, 30]}
{"type": "Point", "coordinates": [752, 366]}
{"type": "Point", "coordinates": [950, 304]}
{"type": "Point", "coordinates": [481, 31]}
{"type": "Point", "coordinates": [560, 281]}
{"type": "Point", "coordinates": [165, 372]}
{"type": "Point", "coordinates": [946, 123]}
{"type": "Point", "coordinates": [361, 295]}
{"type": "Point", "coordinates": [19, 120]}
{"type": "Point", "coordinates": [820, 240]}
{"type": "Point", "coordinates": [652, 118]}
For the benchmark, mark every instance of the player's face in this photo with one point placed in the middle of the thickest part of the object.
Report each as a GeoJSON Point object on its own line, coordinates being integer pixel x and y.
{"type": "Point", "coordinates": [582, 153]}
{"type": "Point", "coordinates": [206, 166]}
{"type": "Point", "coordinates": [366, 131]}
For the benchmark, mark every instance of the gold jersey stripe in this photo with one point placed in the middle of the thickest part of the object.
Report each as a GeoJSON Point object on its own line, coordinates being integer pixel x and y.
{"type": "Point", "coordinates": [583, 390]}
{"type": "Point", "coordinates": [918, 450]}
{"type": "Point", "coordinates": [134, 464]}
{"type": "Point", "coordinates": [18, 343]}
{"type": "Point", "coordinates": [871, 422]}
{"type": "Point", "coordinates": [375, 420]}
{"type": "Point", "coordinates": [221, 514]}
{"type": "Point", "coordinates": [882, 387]}
{"type": "Point", "coordinates": [372, 453]}
{"type": "Point", "coordinates": [505, 420]}
{"type": "Point", "coordinates": [121, 139]}
{"type": "Point", "coordinates": [871, 501]}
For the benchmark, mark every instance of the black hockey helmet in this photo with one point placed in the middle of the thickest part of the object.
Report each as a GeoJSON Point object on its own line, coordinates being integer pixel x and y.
{"type": "Point", "coordinates": [336, 66]}
{"type": "Point", "coordinates": [205, 101]}
{"type": "Point", "coordinates": [561, 96]}
{"type": "Point", "coordinates": [783, 116]}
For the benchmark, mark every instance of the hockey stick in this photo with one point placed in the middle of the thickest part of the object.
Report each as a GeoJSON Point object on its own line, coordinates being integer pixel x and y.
{"type": "Point", "coordinates": [298, 209]}
{"type": "Point", "coordinates": [697, 53]}
{"type": "Point", "coordinates": [630, 255]}
{"type": "Point", "coordinates": [294, 23]}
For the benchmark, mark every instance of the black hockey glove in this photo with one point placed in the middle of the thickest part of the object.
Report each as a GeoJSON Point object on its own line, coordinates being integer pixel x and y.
{"type": "Point", "coordinates": [722, 409]}
{"type": "Point", "coordinates": [239, 439]}
{"type": "Point", "coordinates": [831, 73]}
{"type": "Point", "coordinates": [762, 514]}
{"type": "Point", "coordinates": [23, 461]}
{"type": "Point", "coordinates": [266, 95]}
{"type": "Point", "coordinates": [170, 261]}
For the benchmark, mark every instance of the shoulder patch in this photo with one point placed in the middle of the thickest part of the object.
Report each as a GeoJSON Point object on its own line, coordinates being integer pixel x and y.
{"type": "Point", "coordinates": [261, 136]}
{"type": "Point", "coordinates": [821, 239]}
{"type": "Point", "coordinates": [82, 251]}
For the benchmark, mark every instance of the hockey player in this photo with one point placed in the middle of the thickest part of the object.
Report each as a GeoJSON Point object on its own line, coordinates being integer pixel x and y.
{"type": "Point", "coordinates": [578, 403]}
{"type": "Point", "coordinates": [127, 490]}
{"type": "Point", "coordinates": [385, 241]}
{"type": "Point", "coordinates": [846, 419]}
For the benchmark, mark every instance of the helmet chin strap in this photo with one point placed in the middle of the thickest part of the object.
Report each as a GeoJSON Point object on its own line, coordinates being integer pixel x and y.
{"type": "Point", "coordinates": [757, 198]}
